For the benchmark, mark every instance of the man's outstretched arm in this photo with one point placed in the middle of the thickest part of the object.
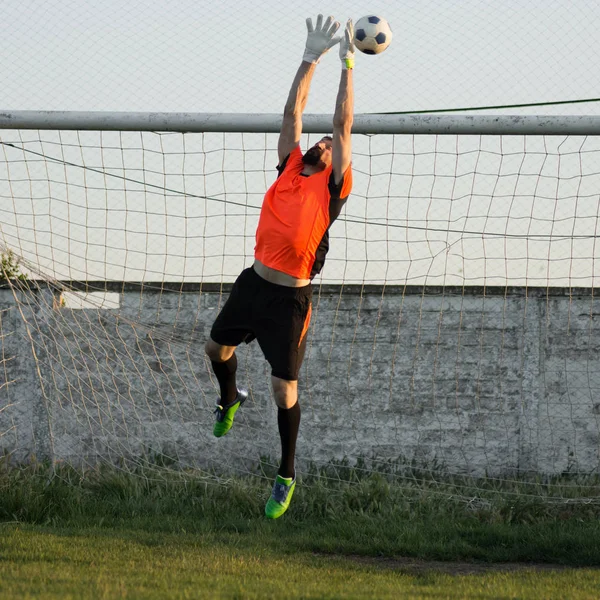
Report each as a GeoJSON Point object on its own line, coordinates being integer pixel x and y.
{"type": "Point", "coordinates": [291, 126]}
{"type": "Point", "coordinates": [318, 41]}
{"type": "Point", "coordinates": [344, 108]}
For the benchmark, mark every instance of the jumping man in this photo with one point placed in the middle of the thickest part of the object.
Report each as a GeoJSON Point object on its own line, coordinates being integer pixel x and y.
{"type": "Point", "coordinates": [271, 301]}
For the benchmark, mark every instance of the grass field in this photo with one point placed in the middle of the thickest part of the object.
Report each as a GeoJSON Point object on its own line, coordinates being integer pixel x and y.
{"type": "Point", "coordinates": [130, 562]}
{"type": "Point", "coordinates": [114, 535]}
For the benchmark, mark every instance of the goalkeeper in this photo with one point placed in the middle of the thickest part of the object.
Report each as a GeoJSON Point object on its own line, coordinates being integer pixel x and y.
{"type": "Point", "coordinates": [271, 301]}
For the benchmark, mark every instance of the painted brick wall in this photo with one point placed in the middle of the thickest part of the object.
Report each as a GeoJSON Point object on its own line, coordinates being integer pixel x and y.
{"type": "Point", "coordinates": [476, 381]}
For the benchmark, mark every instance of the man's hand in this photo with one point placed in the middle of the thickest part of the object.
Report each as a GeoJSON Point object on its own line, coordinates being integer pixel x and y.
{"type": "Point", "coordinates": [347, 46]}
{"type": "Point", "coordinates": [320, 40]}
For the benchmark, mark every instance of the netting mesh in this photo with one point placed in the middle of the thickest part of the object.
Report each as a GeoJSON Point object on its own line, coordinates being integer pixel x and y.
{"type": "Point", "coordinates": [434, 210]}
{"type": "Point", "coordinates": [454, 323]}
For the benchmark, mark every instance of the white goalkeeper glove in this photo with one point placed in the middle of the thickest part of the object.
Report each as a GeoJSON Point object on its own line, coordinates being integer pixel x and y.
{"type": "Point", "coordinates": [347, 46]}
{"type": "Point", "coordinates": [320, 40]}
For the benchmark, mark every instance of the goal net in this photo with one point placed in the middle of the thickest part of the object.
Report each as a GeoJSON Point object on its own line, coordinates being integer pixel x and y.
{"type": "Point", "coordinates": [453, 337]}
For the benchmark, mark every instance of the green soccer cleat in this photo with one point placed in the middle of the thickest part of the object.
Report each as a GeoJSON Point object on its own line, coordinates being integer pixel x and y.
{"type": "Point", "coordinates": [281, 497]}
{"type": "Point", "coordinates": [225, 414]}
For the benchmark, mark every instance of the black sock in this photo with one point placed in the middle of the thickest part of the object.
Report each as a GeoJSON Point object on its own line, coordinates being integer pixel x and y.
{"type": "Point", "coordinates": [288, 420]}
{"type": "Point", "coordinates": [225, 373]}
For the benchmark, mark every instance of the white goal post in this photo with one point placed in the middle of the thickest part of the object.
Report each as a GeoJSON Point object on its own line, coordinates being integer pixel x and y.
{"type": "Point", "coordinates": [389, 124]}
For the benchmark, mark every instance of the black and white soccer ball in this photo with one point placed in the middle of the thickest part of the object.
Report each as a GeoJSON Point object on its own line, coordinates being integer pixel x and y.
{"type": "Point", "coordinates": [372, 34]}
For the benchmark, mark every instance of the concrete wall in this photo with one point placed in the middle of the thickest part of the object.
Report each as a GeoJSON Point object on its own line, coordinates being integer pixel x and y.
{"type": "Point", "coordinates": [494, 381]}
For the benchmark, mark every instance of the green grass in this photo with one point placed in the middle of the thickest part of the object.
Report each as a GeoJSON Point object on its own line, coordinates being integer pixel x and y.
{"type": "Point", "coordinates": [168, 535]}
{"type": "Point", "coordinates": [63, 562]}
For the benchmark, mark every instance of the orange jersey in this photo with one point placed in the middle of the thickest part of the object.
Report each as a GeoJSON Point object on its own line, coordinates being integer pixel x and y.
{"type": "Point", "coordinates": [293, 229]}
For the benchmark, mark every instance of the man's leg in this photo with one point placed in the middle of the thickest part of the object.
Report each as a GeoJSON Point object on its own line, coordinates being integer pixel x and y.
{"type": "Point", "coordinates": [281, 333]}
{"type": "Point", "coordinates": [224, 364]}
{"type": "Point", "coordinates": [288, 421]}
{"type": "Point", "coordinates": [232, 326]}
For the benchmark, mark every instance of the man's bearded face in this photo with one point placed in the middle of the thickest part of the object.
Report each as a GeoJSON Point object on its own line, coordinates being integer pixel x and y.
{"type": "Point", "coordinates": [313, 156]}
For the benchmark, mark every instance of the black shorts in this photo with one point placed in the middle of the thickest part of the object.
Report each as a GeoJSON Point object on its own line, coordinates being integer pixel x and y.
{"type": "Point", "coordinates": [277, 316]}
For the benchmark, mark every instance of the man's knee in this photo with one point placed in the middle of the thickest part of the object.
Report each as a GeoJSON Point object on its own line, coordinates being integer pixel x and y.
{"type": "Point", "coordinates": [285, 392]}
{"type": "Point", "coordinates": [217, 352]}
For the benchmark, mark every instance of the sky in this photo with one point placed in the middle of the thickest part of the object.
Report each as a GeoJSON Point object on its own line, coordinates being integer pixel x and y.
{"type": "Point", "coordinates": [201, 56]}
{"type": "Point", "coordinates": [420, 204]}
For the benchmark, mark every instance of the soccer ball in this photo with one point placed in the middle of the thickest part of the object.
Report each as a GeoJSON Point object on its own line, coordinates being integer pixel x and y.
{"type": "Point", "coordinates": [372, 34]}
